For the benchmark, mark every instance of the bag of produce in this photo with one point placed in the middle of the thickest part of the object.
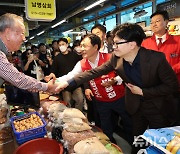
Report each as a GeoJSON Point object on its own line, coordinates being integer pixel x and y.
{"type": "Point", "coordinates": [90, 146]}
{"type": "Point", "coordinates": [73, 127]}
{"type": "Point", "coordinates": [73, 113]}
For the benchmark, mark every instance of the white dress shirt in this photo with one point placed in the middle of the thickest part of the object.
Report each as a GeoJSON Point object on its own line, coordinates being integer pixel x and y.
{"type": "Point", "coordinates": [163, 38]}
{"type": "Point", "coordinates": [77, 69]}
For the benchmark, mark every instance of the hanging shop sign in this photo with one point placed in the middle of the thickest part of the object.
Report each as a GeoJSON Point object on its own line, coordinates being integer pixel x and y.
{"type": "Point", "coordinates": [49, 40]}
{"type": "Point", "coordinates": [40, 10]}
{"type": "Point", "coordinates": [172, 7]}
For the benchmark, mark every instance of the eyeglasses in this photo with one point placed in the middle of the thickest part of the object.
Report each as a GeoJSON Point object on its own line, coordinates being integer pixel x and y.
{"type": "Point", "coordinates": [116, 44]}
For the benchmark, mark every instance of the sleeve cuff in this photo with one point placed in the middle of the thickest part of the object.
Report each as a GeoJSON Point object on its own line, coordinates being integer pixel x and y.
{"type": "Point", "coordinates": [119, 80]}
{"type": "Point", "coordinates": [72, 83]}
{"type": "Point", "coordinates": [44, 86]}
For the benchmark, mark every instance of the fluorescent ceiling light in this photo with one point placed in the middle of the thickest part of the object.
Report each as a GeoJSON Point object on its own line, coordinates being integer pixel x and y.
{"type": "Point", "coordinates": [58, 23]}
{"type": "Point", "coordinates": [31, 37]}
{"type": "Point", "coordinates": [94, 4]}
{"type": "Point", "coordinates": [71, 32]}
{"type": "Point", "coordinates": [76, 32]}
{"type": "Point", "coordinates": [40, 33]}
{"type": "Point", "coordinates": [66, 32]}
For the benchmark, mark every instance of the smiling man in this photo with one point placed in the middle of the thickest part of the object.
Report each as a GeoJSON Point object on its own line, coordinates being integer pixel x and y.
{"type": "Point", "coordinates": [12, 35]}
{"type": "Point", "coordinates": [106, 99]}
{"type": "Point", "coordinates": [150, 81]}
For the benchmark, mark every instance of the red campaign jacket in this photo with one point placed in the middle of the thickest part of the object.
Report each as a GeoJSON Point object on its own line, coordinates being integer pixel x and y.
{"type": "Point", "coordinates": [101, 93]}
{"type": "Point", "coordinates": [171, 49]}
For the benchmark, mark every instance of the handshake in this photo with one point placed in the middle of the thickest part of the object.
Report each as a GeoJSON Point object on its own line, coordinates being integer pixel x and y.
{"type": "Point", "coordinates": [53, 85]}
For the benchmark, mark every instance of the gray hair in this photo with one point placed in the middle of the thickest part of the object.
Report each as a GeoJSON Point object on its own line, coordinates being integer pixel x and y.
{"type": "Point", "coordinates": [8, 21]}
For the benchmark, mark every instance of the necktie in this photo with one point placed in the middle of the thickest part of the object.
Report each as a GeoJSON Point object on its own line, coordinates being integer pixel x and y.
{"type": "Point", "coordinates": [160, 42]}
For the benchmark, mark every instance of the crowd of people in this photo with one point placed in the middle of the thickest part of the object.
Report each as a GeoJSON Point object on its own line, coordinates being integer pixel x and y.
{"type": "Point", "coordinates": [118, 74]}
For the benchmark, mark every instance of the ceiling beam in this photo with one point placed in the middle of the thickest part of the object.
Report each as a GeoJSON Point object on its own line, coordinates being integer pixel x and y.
{"type": "Point", "coordinates": [12, 4]}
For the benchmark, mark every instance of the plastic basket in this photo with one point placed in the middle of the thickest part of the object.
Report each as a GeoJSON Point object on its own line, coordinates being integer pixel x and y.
{"type": "Point", "coordinates": [23, 140]}
{"type": "Point", "coordinates": [29, 134]}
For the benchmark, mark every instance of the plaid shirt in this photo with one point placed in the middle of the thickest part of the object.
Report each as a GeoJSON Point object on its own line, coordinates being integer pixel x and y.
{"type": "Point", "coordinates": [10, 74]}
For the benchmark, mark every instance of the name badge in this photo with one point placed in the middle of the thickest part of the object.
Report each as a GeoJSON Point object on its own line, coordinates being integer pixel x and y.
{"type": "Point", "coordinates": [174, 55]}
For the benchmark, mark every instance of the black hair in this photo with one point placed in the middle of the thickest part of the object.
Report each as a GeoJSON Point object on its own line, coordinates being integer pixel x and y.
{"type": "Point", "coordinates": [63, 39]}
{"type": "Point", "coordinates": [27, 51]}
{"type": "Point", "coordinates": [130, 32]}
{"type": "Point", "coordinates": [99, 26]}
{"type": "Point", "coordinates": [34, 49]}
{"type": "Point", "coordinates": [164, 13]}
{"type": "Point", "coordinates": [27, 43]}
{"type": "Point", "coordinates": [95, 40]}
{"type": "Point", "coordinates": [54, 41]}
{"type": "Point", "coordinates": [108, 34]}
{"type": "Point", "coordinates": [76, 43]}
{"type": "Point", "coordinates": [41, 44]}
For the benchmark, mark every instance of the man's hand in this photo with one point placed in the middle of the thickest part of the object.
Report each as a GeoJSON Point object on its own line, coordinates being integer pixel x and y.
{"type": "Point", "coordinates": [89, 94]}
{"type": "Point", "coordinates": [49, 77]}
{"type": "Point", "coordinates": [134, 89]}
{"type": "Point", "coordinates": [60, 86]}
{"type": "Point", "coordinates": [109, 83]}
{"type": "Point", "coordinates": [52, 86]}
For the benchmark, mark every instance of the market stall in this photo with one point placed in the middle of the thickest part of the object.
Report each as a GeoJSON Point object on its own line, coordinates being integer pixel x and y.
{"type": "Point", "coordinates": [67, 128]}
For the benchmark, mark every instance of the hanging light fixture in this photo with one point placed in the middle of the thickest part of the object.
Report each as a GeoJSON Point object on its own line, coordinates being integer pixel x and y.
{"type": "Point", "coordinates": [139, 12]}
{"type": "Point", "coordinates": [94, 4]}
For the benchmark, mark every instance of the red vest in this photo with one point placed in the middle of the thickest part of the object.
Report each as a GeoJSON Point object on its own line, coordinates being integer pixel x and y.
{"type": "Point", "coordinates": [101, 93]}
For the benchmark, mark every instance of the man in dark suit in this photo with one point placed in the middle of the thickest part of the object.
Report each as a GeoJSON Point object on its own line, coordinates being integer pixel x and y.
{"type": "Point", "coordinates": [149, 79]}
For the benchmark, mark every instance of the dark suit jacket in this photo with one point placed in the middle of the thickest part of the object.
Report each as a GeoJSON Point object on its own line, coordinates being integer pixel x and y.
{"type": "Point", "coordinates": [158, 79]}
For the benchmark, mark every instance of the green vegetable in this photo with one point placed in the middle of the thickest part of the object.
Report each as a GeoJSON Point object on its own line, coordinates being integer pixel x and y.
{"type": "Point", "coordinates": [112, 149]}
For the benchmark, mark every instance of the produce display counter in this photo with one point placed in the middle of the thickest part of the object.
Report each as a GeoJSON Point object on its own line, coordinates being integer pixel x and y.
{"type": "Point", "coordinates": [68, 128]}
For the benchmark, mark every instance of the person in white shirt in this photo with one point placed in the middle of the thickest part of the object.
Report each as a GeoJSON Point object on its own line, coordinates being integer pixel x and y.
{"type": "Point", "coordinates": [107, 100]}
